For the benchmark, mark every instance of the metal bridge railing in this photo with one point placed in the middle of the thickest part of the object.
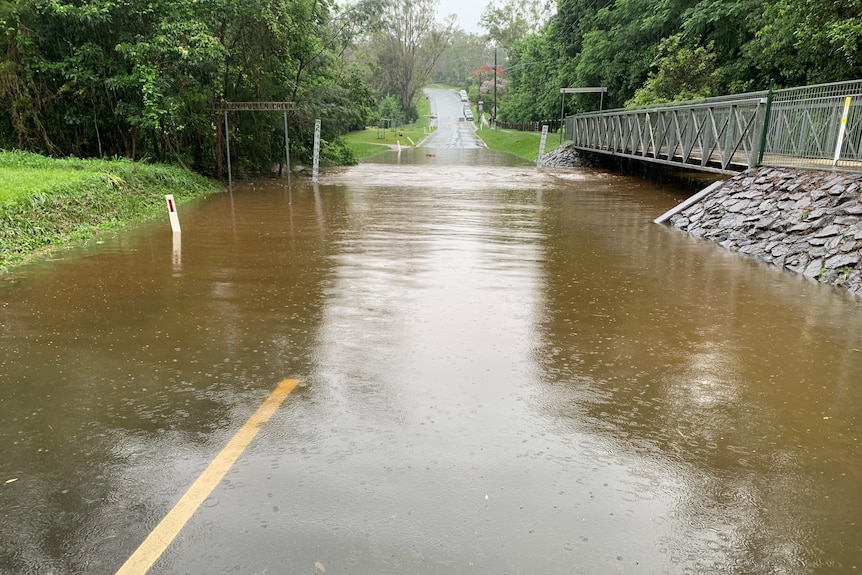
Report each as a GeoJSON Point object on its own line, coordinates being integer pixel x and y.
{"type": "Point", "coordinates": [804, 129]}
{"type": "Point", "coordinates": [805, 126]}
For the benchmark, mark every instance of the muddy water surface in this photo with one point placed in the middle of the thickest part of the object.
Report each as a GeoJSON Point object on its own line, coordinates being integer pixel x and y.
{"type": "Point", "coordinates": [502, 371]}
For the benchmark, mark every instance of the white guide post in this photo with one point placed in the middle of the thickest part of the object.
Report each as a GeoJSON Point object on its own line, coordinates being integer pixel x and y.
{"type": "Point", "coordinates": [172, 213]}
{"type": "Point", "coordinates": [542, 143]}
{"type": "Point", "coordinates": [178, 251]}
{"type": "Point", "coordinates": [316, 166]}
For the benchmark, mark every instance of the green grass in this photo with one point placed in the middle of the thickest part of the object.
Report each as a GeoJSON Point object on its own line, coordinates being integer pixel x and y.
{"type": "Point", "coordinates": [47, 203]}
{"type": "Point", "coordinates": [373, 140]}
{"type": "Point", "coordinates": [522, 144]}
{"type": "Point", "coordinates": [17, 183]}
{"type": "Point", "coordinates": [389, 137]}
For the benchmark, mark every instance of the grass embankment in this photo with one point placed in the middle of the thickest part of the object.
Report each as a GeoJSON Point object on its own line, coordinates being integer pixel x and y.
{"type": "Point", "coordinates": [47, 203]}
{"type": "Point", "coordinates": [522, 144]}
{"type": "Point", "coordinates": [374, 140]}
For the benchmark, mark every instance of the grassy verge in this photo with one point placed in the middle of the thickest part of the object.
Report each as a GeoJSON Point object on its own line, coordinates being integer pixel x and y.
{"type": "Point", "coordinates": [522, 144]}
{"type": "Point", "coordinates": [46, 203]}
{"type": "Point", "coordinates": [18, 183]}
{"type": "Point", "coordinates": [374, 141]}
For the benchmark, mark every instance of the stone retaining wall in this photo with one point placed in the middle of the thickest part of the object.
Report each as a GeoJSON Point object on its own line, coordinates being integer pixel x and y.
{"type": "Point", "coordinates": [564, 156]}
{"type": "Point", "coordinates": [807, 222]}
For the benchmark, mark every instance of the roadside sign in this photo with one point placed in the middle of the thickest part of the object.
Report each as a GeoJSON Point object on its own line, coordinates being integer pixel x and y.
{"type": "Point", "coordinates": [257, 106]}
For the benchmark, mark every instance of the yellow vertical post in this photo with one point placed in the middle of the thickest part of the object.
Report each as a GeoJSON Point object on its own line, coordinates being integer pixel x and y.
{"type": "Point", "coordinates": [841, 131]}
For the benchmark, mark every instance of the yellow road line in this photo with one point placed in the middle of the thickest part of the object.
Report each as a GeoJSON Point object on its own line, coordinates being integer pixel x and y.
{"type": "Point", "coordinates": [165, 532]}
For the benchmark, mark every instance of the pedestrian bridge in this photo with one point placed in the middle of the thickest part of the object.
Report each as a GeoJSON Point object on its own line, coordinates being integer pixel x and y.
{"type": "Point", "coordinates": [808, 127]}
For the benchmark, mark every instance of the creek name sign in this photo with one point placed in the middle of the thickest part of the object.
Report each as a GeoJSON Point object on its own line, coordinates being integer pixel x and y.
{"type": "Point", "coordinates": [257, 106]}
{"type": "Point", "coordinates": [284, 107]}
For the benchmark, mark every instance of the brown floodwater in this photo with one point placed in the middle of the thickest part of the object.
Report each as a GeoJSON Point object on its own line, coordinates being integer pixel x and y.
{"type": "Point", "coordinates": [502, 370]}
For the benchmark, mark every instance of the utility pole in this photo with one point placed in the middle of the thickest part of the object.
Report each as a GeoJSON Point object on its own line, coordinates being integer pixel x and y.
{"type": "Point", "coordinates": [495, 88]}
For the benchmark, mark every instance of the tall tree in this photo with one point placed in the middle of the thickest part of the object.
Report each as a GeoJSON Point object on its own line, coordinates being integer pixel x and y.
{"type": "Point", "coordinates": [512, 20]}
{"type": "Point", "coordinates": [466, 52]}
{"type": "Point", "coordinates": [410, 42]}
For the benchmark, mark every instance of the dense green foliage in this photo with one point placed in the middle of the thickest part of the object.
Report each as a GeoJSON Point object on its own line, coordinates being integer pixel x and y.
{"type": "Point", "coordinates": [56, 201]}
{"type": "Point", "coordinates": [143, 78]}
{"type": "Point", "coordinates": [648, 51]}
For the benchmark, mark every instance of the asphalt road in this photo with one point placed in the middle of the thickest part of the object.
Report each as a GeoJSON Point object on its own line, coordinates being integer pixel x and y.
{"type": "Point", "coordinates": [453, 131]}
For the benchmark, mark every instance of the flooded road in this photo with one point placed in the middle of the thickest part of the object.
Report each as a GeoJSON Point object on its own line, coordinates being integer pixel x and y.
{"type": "Point", "coordinates": [501, 371]}
{"type": "Point", "coordinates": [453, 131]}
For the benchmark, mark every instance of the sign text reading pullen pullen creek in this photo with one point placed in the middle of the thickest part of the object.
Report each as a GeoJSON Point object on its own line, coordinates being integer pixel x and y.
{"type": "Point", "coordinates": [287, 106]}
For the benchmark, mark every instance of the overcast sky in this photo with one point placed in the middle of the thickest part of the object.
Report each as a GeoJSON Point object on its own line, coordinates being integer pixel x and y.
{"type": "Point", "coordinates": [468, 11]}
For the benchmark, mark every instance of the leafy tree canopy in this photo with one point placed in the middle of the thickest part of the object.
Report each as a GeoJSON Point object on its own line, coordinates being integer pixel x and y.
{"type": "Point", "coordinates": [648, 51]}
{"type": "Point", "coordinates": [142, 78]}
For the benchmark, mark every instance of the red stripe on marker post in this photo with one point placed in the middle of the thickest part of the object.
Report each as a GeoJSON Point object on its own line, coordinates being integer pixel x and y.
{"type": "Point", "coordinates": [172, 213]}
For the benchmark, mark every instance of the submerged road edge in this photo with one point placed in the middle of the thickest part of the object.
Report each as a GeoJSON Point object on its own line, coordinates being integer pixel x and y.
{"type": "Point", "coordinates": [168, 528]}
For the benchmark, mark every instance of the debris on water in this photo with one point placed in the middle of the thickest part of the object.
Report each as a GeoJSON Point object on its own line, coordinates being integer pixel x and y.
{"type": "Point", "coordinates": [13, 480]}
{"type": "Point", "coordinates": [319, 566]}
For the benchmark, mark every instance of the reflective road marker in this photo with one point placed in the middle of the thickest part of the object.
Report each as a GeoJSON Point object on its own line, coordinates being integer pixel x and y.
{"type": "Point", "coordinates": [165, 532]}
{"type": "Point", "coordinates": [172, 213]}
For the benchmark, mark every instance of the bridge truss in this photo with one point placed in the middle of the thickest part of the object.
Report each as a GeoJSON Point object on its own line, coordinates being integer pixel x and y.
{"type": "Point", "coordinates": [814, 126]}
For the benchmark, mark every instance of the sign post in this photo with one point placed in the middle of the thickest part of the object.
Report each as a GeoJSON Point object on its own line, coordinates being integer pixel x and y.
{"type": "Point", "coordinates": [256, 107]}
{"type": "Point", "coordinates": [563, 91]}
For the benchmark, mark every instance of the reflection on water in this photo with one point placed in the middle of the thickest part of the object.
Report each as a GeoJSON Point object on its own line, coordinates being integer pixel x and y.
{"type": "Point", "coordinates": [504, 370]}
